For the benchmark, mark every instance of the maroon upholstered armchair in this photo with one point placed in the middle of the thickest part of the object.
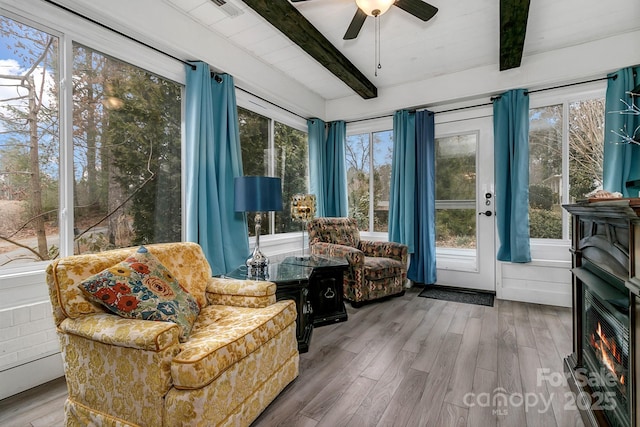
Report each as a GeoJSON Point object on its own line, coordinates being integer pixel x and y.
{"type": "Point", "coordinates": [376, 269]}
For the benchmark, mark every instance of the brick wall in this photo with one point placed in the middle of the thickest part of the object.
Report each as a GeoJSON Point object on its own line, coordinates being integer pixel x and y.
{"type": "Point", "coordinates": [26, 333]}
{"type": "Point", "coordinates": [29, 348]}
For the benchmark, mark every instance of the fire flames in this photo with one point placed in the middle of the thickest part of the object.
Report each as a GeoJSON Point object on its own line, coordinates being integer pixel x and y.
{"type": "Point", "coordinates": [609, 353]}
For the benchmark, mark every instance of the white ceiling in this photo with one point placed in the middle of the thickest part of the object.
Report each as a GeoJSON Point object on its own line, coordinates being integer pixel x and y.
{"type": "Point", "coordinates": [464, 35]}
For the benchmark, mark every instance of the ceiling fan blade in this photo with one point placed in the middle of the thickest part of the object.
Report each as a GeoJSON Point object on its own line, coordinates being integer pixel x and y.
{"type": "Point", "coordinates": [356, 25]}
{"type": "Point", "coordinates": [417, 8]}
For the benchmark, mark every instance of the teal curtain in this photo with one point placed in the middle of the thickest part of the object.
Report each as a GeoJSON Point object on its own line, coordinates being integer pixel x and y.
{"type": "Point", "coordinates": [621, 158]}
{"type": "Point", "coordinates": [422, 268]}
{"type": "Point", "coordinates": [316, 135]}
{"type": "Point", "coordinates": [403, 179]}
{"type": "Point", "coordinates": [213, 160]}
{"type": "Point", "coordinates": [511, 162]}
{"type": "Point", "coordinates": [327, 167]}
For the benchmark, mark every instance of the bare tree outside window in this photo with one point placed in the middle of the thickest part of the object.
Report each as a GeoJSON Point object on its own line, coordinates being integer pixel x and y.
{"type": "Point", "coordinates": [127, 154]}
{"type": "Point", "coordinates": [382, 158]}
{"type": "Point", "coordinates": [586, 150]}
{"type": "Point", "coordinates": [358, 167]}
{"type": "Point", "coordinates": [126, 150]}
{"type": "Point", "coordinates": [29, 144]}
{"type": "Point", "coordinates": [368, 159]}
{"type": "Point", "coordinates": [586, 147]}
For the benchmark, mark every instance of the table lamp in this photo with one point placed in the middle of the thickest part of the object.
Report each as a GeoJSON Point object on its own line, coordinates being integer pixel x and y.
{"type": "Point", "coordinates": [303, 208]}
{"type": "Point", "coordinates": [257, 194]}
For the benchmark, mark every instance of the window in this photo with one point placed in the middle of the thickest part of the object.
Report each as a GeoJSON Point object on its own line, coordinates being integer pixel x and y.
{"type": "Point", "coordinates": [456, 191]}
{"type": "Point", "coordinates": [581, 135]}
{"type": "Point", "coordinates": [291, 166]}
{"type": "Point", "coordinates": [126, 150]}
{"type": "Point", "coordinates": [126, 146]}
{"type": "Point", "coordinates": [366, 153]}
{"type": "Point", "coordinates": [282, 155]}
{"type": "Point", "coordinates": [29, 144]}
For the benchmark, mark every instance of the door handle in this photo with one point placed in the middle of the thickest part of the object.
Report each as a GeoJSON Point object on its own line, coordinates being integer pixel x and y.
{"type": "Point", "coordinates": [487, 213]}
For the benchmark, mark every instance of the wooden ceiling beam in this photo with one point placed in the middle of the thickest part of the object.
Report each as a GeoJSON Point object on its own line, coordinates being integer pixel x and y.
{"type": "Point", "coordinates": [513, 28]}
{"type": "Point", "coordinates": [286, 18]}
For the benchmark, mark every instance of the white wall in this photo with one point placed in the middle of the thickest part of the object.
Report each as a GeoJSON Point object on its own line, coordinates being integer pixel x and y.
{"type": "Point", "coordinates": [29, 349]}
{"type": "Point", "coordinates": [577, 63]}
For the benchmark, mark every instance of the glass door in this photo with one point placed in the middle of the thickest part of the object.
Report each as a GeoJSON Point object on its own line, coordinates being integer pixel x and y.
{"type": "Point", "coordinates": [465, 218]}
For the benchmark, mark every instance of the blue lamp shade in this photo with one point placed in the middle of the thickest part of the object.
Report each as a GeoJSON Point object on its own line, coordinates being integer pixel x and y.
{"type": "Point", "coordinates": [257, 194]}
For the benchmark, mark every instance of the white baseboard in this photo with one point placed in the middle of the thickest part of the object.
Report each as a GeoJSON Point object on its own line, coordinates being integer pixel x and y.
{"type": "Point", "coordinates": [21, 378]}
{"type": "Point", "coordinates": [561, 299]}
{"type": "Point", "coordinates": [537, 282]}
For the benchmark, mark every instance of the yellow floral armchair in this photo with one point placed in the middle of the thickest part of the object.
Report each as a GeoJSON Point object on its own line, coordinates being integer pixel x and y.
{"type": "Point", "coordinates": [239, 355]}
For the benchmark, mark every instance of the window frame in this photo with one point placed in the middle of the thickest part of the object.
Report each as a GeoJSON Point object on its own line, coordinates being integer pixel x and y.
{"type": "Point", "coordinates": [371, 126]}
{"type": "Point", "coordinates": [274, 114]}
{"type": "Point", "coordinates": [71, 29]}
{"type": "Point", "coordinates": [15, 272]}
{"type": "Point", "coordinates": [563, 96]}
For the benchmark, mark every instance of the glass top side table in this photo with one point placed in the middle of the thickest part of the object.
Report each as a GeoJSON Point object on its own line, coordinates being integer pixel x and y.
{"type": "Point", "coordinates": [325, 287]}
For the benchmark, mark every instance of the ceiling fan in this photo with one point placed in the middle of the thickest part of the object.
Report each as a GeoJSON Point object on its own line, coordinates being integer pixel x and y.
{"type": "Point", "coordinates": [417, 8]}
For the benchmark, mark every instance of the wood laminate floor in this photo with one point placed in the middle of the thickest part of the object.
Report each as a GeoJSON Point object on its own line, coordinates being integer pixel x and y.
{"type": "Point", "coordinates": [408, 361]}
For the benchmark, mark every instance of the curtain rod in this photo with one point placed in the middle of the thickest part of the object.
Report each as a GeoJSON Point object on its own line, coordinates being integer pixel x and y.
{"type": "Point", "coordinates": [269, 102]}
{"type": "Point", "coordinates": [422, 107]}
{"type": "Point", "coordinates": [120, 33]}
{"type": "Point", "coordinates": [493, 98]}
{"type": "Point", "coordinates": [614, 77]}
{"type": "Point", "coordinates": [155, 49]}
{"type": "Point", "coordinates": [193, 67]}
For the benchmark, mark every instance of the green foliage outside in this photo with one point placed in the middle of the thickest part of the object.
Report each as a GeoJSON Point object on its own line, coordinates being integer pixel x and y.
{"type": "Point", "coordinates": [586, 135]}
{"type": "Point", "coordinates": [359, 197]}
{"type": "Point", "coordinates": [541, 197]}
{"type": "Point", "coordinates": [291, 166]}
{"type": "Point", "coordinates": [545, 223]}
{"type": "Point", "coordinates": [287, 160]}
{"type": "Point", "coordinates": [456, 185]}
{"type": "Point", "coordinates": [126, 148]}
{"type": "Point", "coordinates": [127, 153]}
{"type": "Point", "coordinates": [358, 166]}
{"type": "Point", "coordinates": [456, 228]}
{"type": "Point", "coordinates": [145, 152]}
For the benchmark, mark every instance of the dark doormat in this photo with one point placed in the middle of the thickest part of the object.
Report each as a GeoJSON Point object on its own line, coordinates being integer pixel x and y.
{"type": "Point", "coordinates": [458, 295]}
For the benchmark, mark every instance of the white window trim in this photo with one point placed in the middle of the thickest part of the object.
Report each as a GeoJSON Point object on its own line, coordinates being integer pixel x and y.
{"type": "Point", "coordinates": [371, 127]}
{"type": "Point", "coordinates": [73, 29]}
{"type": "Point", "coordinates": [69, 29]}
{"type": "Point", "coordinates": [556, 248]}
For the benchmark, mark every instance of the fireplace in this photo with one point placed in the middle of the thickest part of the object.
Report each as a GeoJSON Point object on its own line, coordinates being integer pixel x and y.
{"type": "Point", "coordinates": [606, 301]}
{"type": "Point", "coordinates": [605, 352]}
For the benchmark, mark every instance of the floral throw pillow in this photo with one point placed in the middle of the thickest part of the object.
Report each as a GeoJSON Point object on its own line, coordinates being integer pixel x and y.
{"type": "Point", "coordinates": [140, 287]}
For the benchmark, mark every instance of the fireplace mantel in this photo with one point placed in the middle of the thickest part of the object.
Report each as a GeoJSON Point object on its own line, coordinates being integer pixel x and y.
{"type": "Point", "coordinates": [604, 257]}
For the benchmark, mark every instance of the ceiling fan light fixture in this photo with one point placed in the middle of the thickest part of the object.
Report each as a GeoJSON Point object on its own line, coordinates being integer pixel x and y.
{"type": "Point", "coordinates": [374, 7]}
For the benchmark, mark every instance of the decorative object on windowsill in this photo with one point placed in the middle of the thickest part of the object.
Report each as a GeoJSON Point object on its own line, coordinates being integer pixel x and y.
{"type": "Point", "coordinates": [633, 110]}
{"type": "Point", "coordinates": [600, 194]}
{"type": "Point", "coordinates": [303, 209]}
{"type": "Point", "coordinates": [257, 194]}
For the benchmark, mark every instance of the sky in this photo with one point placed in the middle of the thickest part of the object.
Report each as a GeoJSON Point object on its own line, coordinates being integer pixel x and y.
{"type": "Point", "coordinates": [11, 64]}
